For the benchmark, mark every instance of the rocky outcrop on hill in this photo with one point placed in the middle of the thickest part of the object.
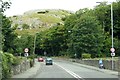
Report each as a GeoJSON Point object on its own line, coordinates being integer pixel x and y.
{"type": "Point", "coordinates": [39, 18]}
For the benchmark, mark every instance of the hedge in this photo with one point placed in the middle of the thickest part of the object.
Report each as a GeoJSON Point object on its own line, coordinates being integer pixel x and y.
{"type": "Point", "coordinates": [7, 61]}
{"type": "Point", "coordinates": [86, 55]}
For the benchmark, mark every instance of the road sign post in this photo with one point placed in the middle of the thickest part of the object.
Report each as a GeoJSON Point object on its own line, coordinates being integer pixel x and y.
{"type": "Point", "coordinates": [112, 50]}
{"type": "Point", "coordinates": [26, 52]}
{"type": "Point", "coordinates": [112, 54]}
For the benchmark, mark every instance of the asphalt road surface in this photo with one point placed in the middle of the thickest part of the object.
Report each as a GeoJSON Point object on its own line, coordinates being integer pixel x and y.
{"type": "Point", "coordinates": [71, 70]}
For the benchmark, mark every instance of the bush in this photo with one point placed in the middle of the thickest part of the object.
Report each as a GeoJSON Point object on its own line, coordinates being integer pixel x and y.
{"type": "Point", "coordinates": [9, 57]}
{"type": "Point", "coordinates": [86, 55]}
{"type": "Point", "coordinates": [17, 61]}
{"type": "Point", "coordinates": [7, 61]}
{"type": "Point", "coordinates": [6, 71]}
{"type": "Point", "coordinates": [12, 59]}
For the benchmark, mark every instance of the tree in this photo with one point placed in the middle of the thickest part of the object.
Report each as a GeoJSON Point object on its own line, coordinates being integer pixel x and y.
{"type": "Point", "coordinates": [7, 34]}
{"type": "Point", "coordinates": [53, 41]}
{"type": "Point", "coordinates": [101, 11]}
{"type": "Point", "coordinates": [103, 14]}
{"type": "Point", "coordinates": [25, 41]}
{"type": "Point", "coordinates": [5, 5]}
{"type": "Point", "coordinates": [69, 23]}
{"type": "Point", "coordinates": [86, 33]}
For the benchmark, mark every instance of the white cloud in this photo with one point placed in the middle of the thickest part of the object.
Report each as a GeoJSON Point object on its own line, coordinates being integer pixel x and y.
{"type": "Point", "coordinates": [20, 6]}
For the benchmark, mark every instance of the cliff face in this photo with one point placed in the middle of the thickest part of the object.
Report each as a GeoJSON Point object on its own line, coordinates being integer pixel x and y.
{"type": "Point", "coordinates": [39, 19]}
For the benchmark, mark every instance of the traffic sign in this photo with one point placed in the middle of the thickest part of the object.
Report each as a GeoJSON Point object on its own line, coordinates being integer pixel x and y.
{"type": "Point", "coordinates": [45, 53]}
{"type": "Point", "coordinates": [26, 50]}
{"type": "Point", "coordinates": [26, 54]}
{"type": "Point", "coordinates": [112, 50]}
{"type": "Point", "coordinates": [112, 54]}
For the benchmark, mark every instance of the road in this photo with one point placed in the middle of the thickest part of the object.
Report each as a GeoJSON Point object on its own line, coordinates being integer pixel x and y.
{"type": "Point", "coordinates": [72, 70]}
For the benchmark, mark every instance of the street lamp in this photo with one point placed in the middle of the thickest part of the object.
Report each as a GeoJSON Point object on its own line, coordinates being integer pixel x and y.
{"type": "Point", "coordinates": [34, 48]}
{"type": "Point", "coordinates": [34, 44]}
{"type": "Point", "coordinates": [111, 29]}
{"type": "Point", "coordinates": [112, 23]}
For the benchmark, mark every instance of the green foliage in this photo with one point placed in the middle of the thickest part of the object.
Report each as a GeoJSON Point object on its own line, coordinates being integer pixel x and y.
{"type": "Point", "coordinates": [8, 35]}
{"type": "Point", "coordinates": [70, 21]}
{"type": "Point", "coordinates": [86, 31]}
{"type": "Point", "coordinates": [25, 41]}
{"type": "Point", "coordinates": [7, 61]}
{"type": "Point", "coordinates": [32, 56]}
{"type": "Point", "coordinates": [16, 61]}
{"type": "Point", "coordinates": [53, 40]}
{"type": "Point", "coordinates": [9, 57]}
{"type": "Point", "coordinates": [5, 66]}
{"type": "Point", "coordinates": [3, 21]}
{"type": "Point", "coordinates": [86, 55]}
{"type": "Point", "coordinates": [25, 26]}
{"type": "Point", "coordinates": [103, 14]}
{"type": "Point", "coordinates": [90, 31]}
{"type": "Point", "coordinates": [5, 5]}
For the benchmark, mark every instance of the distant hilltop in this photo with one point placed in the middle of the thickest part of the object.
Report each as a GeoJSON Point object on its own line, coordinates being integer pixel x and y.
{"type": "Point", "coordinates": [46, 10]}
{"type": "Point", "coordinates": [39, 18]}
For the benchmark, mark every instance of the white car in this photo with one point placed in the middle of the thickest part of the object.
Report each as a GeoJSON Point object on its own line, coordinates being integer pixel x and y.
{"type": "Point", "coordinates": [49, 61]}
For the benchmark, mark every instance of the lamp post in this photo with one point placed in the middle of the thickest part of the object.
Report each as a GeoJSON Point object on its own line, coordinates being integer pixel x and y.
{"type": "Point", "coordinates": [34, 48]}
{"type": "Point", "coordinates": [112, 23]}
{"type": "Point", "coordinates": [34, 45]}
{"type": "Point", "coordinates": [111, 31]}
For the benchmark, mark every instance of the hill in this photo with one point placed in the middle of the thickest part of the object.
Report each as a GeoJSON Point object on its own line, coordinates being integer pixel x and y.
{"type": "Point", "coordinates": [37, 20]}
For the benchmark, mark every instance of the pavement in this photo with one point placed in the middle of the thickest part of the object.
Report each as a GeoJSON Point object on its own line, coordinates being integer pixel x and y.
{"type": "Point", "coordinates": [30, 72]}
{"type": "Point", "coordinates": [98, 69]}
{"type": "Point", "coordinates": [33, 71]}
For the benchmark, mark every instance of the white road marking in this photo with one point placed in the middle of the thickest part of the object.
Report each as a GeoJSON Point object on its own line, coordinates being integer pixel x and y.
{"type": "Point", "coordinates": [71, 73]}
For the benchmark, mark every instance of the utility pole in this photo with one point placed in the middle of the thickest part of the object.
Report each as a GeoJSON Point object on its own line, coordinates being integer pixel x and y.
{"type": "Point", "coordinates": [34, 44]}
{"type": "Point", "coordinates": [34, 47]}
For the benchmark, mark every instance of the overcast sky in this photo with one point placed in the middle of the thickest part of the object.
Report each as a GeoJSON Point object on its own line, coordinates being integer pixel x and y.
{"type": "Point", "coordinates": [18, 7]}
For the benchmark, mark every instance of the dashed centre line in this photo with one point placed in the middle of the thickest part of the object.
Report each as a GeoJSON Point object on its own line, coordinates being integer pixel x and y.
{"type": "Point", "coordinates": [71, 72]}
